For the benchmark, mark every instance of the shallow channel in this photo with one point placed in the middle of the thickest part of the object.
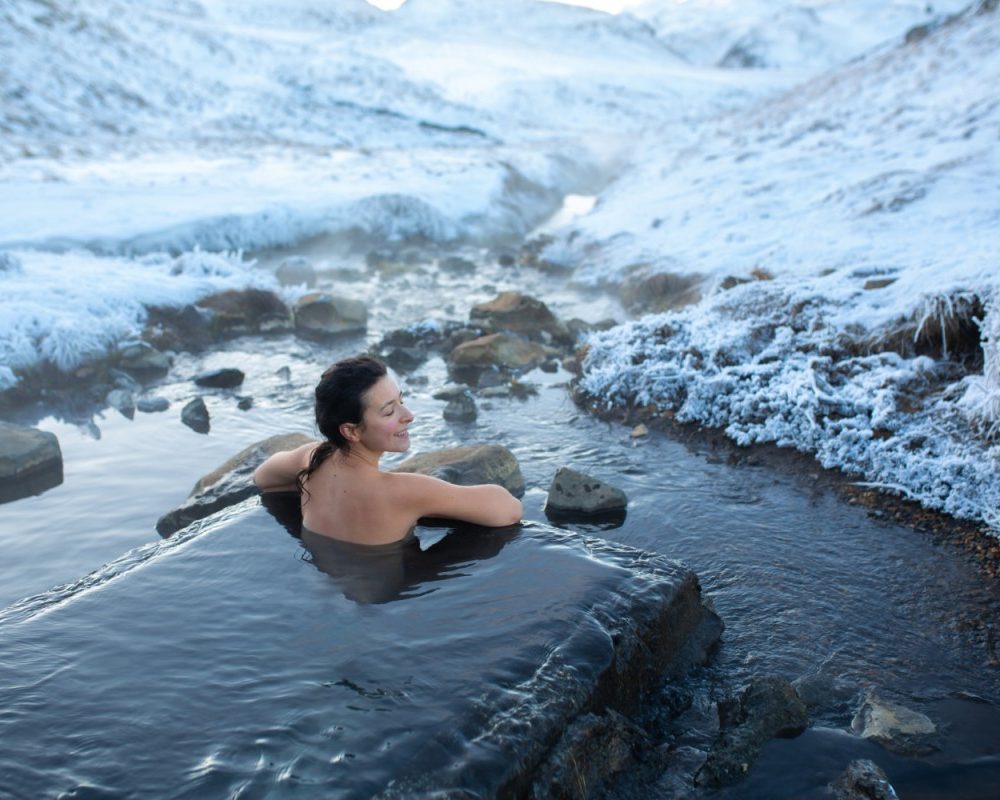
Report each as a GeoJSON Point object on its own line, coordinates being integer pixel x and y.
{"type": "Point", "coordinates": [807, 584]}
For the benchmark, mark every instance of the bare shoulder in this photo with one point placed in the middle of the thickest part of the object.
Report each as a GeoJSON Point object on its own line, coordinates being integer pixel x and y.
{"type": "Point", "coordinates": [279, 471]}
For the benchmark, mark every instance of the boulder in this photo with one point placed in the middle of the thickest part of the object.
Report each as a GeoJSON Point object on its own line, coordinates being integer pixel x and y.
{"type": "Point", "coordinates": [30, 461]}
{"type": "Point", "coordinates": [502, 350]}
{"type": "Point", "coordinates": [461, 408]}
{"type": "Point", "coordinates": [863, 780]}
{"type": "Point", "coordinates": [468, 466]}
{"type": "Point", "coordinates": [296, 271]}
{"type": "Point", "coordinates": [766, 708]}
{"type": "Point", "coordinates": [229, 483]}
{"type": "Point", "coordinates": [896, 727]}
{"type": "Point", "coordinates": [240, 311]}
{"type": "Point", "coordinates": [319, 314]}
{"type": "Point", "coordinates": [195, 416]}
{"type": "Point", "coordinates": [576, 493]}
{"type": "Point", "coordinates": [522, 314]}
{"type": "Point", "coordinates": [225, 378]}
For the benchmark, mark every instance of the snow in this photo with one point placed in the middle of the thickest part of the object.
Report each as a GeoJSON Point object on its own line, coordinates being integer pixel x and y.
{"type": "Point", "coordinates": [799, 150]}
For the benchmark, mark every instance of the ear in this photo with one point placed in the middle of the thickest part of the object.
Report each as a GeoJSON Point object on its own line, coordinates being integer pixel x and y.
{"type": "Point", "coordinates": [349, 431]}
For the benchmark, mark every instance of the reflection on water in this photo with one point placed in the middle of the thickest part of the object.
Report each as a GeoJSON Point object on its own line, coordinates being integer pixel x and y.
{"type": "Point", "coordinates": [369, 574]}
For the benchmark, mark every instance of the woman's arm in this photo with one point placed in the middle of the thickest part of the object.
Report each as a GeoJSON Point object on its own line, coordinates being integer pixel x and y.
{"type": "Point", "coordinates": [278, 472]}
{"type": "Point", "coordinates": [485, 504]}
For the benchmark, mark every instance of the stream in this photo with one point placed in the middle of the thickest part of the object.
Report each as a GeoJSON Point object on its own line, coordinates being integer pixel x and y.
{"type": "Point", "coordinates": [809, 586]}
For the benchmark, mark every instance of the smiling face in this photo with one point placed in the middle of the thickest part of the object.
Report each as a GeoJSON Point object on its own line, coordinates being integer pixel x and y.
{"type": "Point", "coordinates": [385, 421]}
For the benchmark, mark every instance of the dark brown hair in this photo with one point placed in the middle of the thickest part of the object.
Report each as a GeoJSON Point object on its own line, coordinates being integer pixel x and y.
{"type": "Point", "coordinates": [340, 398]}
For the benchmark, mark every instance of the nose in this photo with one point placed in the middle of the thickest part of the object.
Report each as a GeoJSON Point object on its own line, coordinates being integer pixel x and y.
{"type": "Point", "coordinates": [407, 415]}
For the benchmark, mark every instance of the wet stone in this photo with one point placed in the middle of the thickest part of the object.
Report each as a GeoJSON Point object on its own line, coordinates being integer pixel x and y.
{"type": "Point", "coordinates": [346, 636]}
{"type": "Point", "coordinates": [152, 405]}
{"type": "Point", "coordinates": [319, 314]}
{"type": "Point", "coordinates": [244, 403]}
{"type": "Point", "coordinates": [140, 358]}
{"type": "Point", "coordinates": [766, 708]}
{"type": "Point", "coordinates": [497, 350]}
{"type": "Point", "coordinates": [522, 314]}
{"type": "Point", "coordinates": [225, 378]}
{"type": "Point", "coordinates": [467, 466]}
{"type": "Point", "coordinates": [894, 726]}
{"type": "Point", "coordinates": [461, 408]}
{"type": "Point", "coordinates": [30, 461]}
{"type": "Point", "coordinates": [228, 484]}
{"type": "Point", "coordinates": [863, 780]}
{"type": "Point", "coordinates": [457, 265]}
{"type": "Point", "coordinates": [195, 416]}
{"type": "Point", "coordinates": [575, 492]}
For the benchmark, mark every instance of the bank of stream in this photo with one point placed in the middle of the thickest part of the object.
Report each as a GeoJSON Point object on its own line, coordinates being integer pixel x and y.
{"type": "Point", "coordinates": [810, 586]}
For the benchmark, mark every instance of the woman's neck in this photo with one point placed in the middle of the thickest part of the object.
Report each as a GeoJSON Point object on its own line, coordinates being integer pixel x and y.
{"type": "Point", "coordinates": [362, 456]}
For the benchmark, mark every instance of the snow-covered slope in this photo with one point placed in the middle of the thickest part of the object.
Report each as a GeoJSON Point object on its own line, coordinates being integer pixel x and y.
{"type": "Point", "coordinates": [863, 209]}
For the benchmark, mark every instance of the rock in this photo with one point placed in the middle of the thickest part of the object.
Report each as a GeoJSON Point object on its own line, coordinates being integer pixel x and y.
{"type": "Point", "coordinates": [639, 431]}
{"type": "Point", "coordinates": [195, 416]}
{"type": "Point", "coordinates": [588, 755]}
{"type": "Point", "coordinates": [321, 314]}
{"type": "Point", "coordinates": [514, 636]}
{"type": "Point", "coordinates": [506, 260]}
{"type": "Point", "coordinates": [461, 408]}
{"type": "Point", "coordinates": [296, 271]}
{"type": "Point", "coordinates": [663, 291]}
{"type": "Point", "coordinates": [575, 492]}
{"type": "Point", "coordinates": [896, 727]}
{"type": "Point", "coordinates": [122, 400]}
{"type": "Point", "coordinates": [450, 391]}
{"type": "Point", "coordinates": [10, 264]}
{"type": "Point", "coordinates": [142, 359]}
{"type": "Point", "coordinates": [244, 403]}
{"type": "Point", "coordinates": [151, 405]}
{"type": "Point", "coordinates": [766, 708]}
{"type": "Point", "coordinates": [457, 265]}
{"type": "Point", "coordinates": [502, 350]}
{"type": "Point", "coordinates": [404, 359]}
{"type": "Point", "coordinates": [878, 283]}
{"type": "Point", "coordinates": [30, 461]}
{"type": "Point", "coordinates": [468, 466]}
{"type": "Point", "coordinates": [521, 314]}
{"type": "Point", "coordinates": [228, 484]}
{"type": "Point", "coordinates": [240, 311]}
{"type": "Point", "coordinates": [122, 380]}
{"type": "Point", "coordinates": [224, 378]}
{"type": "Point", "coordinates": [186, 328]}
{"type": "Point", "coordinates": [863, 780]}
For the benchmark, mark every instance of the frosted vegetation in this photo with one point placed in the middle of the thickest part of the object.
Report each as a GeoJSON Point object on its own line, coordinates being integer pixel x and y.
{"type": "Point", "coordinates": [827, 188]}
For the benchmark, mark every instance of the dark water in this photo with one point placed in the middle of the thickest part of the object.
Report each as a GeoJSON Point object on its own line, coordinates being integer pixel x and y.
{"type": "Point", "coordinates": [807, 584]}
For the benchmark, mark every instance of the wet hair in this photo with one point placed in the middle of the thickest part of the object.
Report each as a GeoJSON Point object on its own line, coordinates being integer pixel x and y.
{"type": "Point", "coordinates": [340, 398]}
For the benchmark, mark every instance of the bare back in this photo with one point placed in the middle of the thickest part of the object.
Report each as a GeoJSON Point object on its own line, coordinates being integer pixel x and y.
{"type": "Point", "coordinates": [355, 505]}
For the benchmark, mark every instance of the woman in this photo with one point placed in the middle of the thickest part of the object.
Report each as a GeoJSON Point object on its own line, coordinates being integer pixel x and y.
{"type": "Point", "coordinates": [344, 494]}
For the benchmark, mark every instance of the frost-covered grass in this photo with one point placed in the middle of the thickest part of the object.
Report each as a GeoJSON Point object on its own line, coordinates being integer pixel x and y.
{"type": "Point", "coordinates": [767, 362]}
{"type": "Point", "coordinates": [70, 308]}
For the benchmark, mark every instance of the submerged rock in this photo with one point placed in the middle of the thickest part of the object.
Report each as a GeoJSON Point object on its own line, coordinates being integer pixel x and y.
{"type": "Point", "coordinates": [766, 708]}
{"type": "Point", "coordinates": [30, 461]}
{"type": "Point", "coordinates": [863, 780]}
{"type": "Point", "coordinates": [896, 727]}
{"type": "Point", "coordinates": [152, 405]}
{"type": "Point", "coordinates": [322, 314]}
{"type": "Point", "coordinates": [225, 378]}
{"type": "Point", "coordinates": [140, 358]}
{"type": "Point", "coordinates": [228, 484]}
{"type": "Point", "coordinates": [516, 636]}
{"type": "Point", "coordinates": [468, 466]}
{"type": "Point", "coordinates": [195, 416]}
{"type": "Point", "coordinates": [576, 493]}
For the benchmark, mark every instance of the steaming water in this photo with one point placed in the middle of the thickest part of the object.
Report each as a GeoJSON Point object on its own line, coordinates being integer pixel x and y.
{"type": "Point", "coordinates": [807, 584]}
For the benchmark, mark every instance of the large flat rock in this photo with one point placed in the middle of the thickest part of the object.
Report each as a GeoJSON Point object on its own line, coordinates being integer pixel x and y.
{"type": "Point", "coordinates": [30, 461]}
{"type": "Point", "coordinates": [235, 660]}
